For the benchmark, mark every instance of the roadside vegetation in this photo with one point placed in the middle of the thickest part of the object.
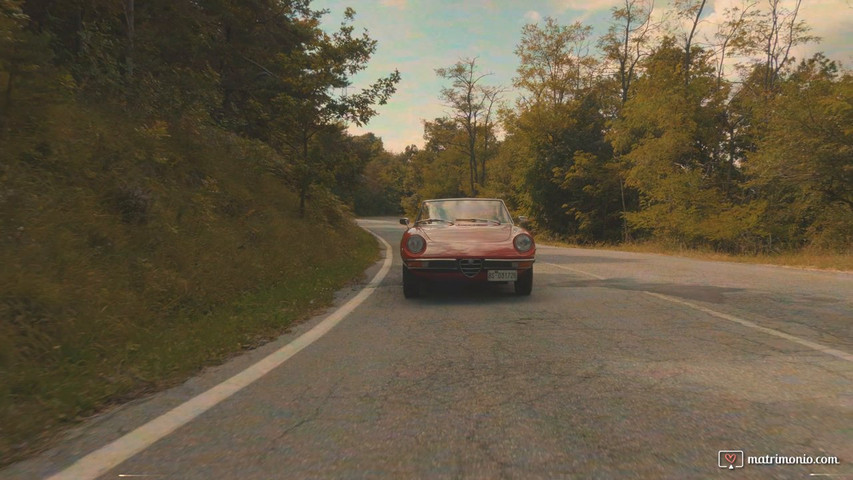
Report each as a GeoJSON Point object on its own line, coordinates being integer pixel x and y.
{"type": "Point", "coordinates": [171, 192]}
{"type": "Point", "coordinates": [652, 133]}
{"type": "Point", "coordinates": [177, 182]}
{"type": "Point", "coordinates": [807, 258]}
{"type": "Point", "coordinates": [112, 288]}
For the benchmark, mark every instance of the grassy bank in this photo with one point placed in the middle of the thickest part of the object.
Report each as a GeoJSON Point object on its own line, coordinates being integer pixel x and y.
{"type": "Point", "coordinates": [807, 258]}
{"type": "Point", "coordinates": [134, 256]}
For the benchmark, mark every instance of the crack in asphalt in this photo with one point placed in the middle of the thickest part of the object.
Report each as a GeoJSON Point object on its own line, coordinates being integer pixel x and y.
{"type": "Point", "coordinates": [319, 404]}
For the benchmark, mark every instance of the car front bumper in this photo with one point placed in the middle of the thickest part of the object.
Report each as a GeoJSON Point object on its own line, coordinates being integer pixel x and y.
{"type": "Point", "coordinates": [475, 269]}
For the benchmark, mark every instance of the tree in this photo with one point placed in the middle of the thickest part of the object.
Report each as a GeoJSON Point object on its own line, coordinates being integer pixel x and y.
{"type": "Point", "coordinates": [12, 22]}
{"type": "Point", "coordinates": [627, 39]}
{"type": "Point", "coordinates": [381, 185]}
{"type": "Point", "coordinates": [626, 43]}
{"type": "Point", "coordinates": [555, 65]}
{"type": "Point", "coordinates": [771, 35]}
{"type": "Point", "coordinates": [765, 38]}
{"type": "Point", "coordinates": [153, 58]}
{"type": "Point", "coordinates": [308, 105]}
{"type": "Point", "coordinates": [559, 126]}
{"type": "Point", "coordinates": [802, 167]}
{"type": "Point", "coordinates": [252, 42]}
{"type": "Point", "coordinates": [28, 81]}
{"type": "Point", "coordinates": [346, 157]}
{"type": "Point", "coordinates": [667, 133]}
{"type": "Point", "coordinates": [731, 32]}
{"type": "Point", "coordinates": [690, 10]}
{"type": "Point", "coordinates": [441, 162]}
{"type": "Point", "coordinates": [471, 104]}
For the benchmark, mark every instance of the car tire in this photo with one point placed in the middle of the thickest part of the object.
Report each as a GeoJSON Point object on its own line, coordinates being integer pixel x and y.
{"type": "Point", "coordinates": [524, 284]}
{"type": "Point", "coordinates": [411, 285]}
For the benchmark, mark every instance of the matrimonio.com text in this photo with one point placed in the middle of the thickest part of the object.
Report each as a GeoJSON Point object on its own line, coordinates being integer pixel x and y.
{"type": "Point", "coordinates": [789, 460]}
{"type": "Point", "coordinates": [732, 459]}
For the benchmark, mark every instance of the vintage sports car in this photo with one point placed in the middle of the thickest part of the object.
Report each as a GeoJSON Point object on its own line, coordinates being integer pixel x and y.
{"type": "Point", "coordinates": [471, 239]}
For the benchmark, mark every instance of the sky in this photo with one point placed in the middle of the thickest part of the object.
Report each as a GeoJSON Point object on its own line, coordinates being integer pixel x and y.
{"type": "Point", "coordinates": [418, 36]}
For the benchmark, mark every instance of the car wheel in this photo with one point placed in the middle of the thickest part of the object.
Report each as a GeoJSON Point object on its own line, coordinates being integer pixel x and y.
{"type": "Point", "coordinates": [411, 285]}
{"type": "Point", "coordinates": [524, 284]}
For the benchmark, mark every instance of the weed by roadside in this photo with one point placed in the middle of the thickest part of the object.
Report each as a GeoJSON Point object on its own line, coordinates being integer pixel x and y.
{"type": "Point", "coordinates": [130, 262]}
{"type": "Point", "coordinates": [807, 258]}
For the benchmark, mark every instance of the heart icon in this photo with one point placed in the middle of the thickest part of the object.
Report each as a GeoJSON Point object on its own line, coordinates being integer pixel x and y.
{"type": "Point", "coordinates": [731, 458]}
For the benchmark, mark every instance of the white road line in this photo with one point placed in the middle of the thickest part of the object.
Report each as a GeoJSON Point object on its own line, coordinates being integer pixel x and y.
{"type": "Point", "coordinates": [575, 270]}
{"type": "Point", "coordinates": [746, 323]}
{"type": "Point", "coordinates": [104, 459]}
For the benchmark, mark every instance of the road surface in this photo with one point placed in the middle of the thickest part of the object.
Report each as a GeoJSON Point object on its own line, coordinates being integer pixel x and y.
{"type": "Point", "coordinates": [619, 365]}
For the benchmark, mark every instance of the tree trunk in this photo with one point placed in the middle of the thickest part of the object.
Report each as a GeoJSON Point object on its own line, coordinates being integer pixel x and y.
{"type": "Point", "coordinates": [7, 100]}
{"type": "Point", "coordinates": [302, 192]}
{"type": "Point", "coordinates": [131, 30]}
{"type": "Point", "coordinates": [731, 162]}
{"type": "Point", "coordinates": [689, 44]}
{"type": "Point", "coordinates": [305, 181]}
{"type": "Point", "coordinates": [624, 220]}
{"type": "Point", "coordinates": [483, 156]}
{"type": "Point", "coordinates": [472, 160]}
{"type": "Point", "coordinates": [623, 74]}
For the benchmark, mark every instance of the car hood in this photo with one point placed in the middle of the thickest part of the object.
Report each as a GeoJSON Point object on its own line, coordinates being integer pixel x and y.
{"type": "Point", "coordinates": [467, 233]}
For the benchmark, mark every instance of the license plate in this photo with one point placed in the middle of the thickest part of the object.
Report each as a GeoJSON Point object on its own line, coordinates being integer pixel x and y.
{"type": "Point", "coordinates": [502, 275]}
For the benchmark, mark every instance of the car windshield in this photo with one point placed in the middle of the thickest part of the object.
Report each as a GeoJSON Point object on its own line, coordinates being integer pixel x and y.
{"type": "Point", "coordinates": [464, 211]}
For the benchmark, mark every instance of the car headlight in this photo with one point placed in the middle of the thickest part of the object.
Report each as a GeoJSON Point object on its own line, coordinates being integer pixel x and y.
{"type": "Point", "coordinates": [523, 243]}
{"type": "Point", "coordinates": [416, 244]}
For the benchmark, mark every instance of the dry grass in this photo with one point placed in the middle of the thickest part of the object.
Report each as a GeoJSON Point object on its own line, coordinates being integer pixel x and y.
{"type": "Point", "coordinates": [133, 257]}
{"type": "Point", "coordinates": [807, 258]}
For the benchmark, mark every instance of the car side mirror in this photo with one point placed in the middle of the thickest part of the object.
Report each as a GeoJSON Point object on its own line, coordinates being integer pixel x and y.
{"type": "Point", "coordinates": [522, 220]}
{"type": "Point", "coordinates": [404, 221]}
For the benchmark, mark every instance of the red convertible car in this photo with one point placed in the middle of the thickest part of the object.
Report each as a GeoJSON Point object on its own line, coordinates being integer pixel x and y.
{"type": "Point", "coordinates": [472, 239]}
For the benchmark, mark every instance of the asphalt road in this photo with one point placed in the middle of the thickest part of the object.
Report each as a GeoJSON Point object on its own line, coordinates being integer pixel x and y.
{"type": "Point", "coordinates": [619, 365]}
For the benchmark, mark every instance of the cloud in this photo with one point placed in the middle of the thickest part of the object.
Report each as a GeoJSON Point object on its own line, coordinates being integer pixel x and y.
{"type": "Point", "coordinates": [398, 4]}
{"type": "Point", "coordinates": [412, 34]}
{"type": "Point", "coordinates": [532, 16]}
{"type": "Point", "coordinates": [831, 20]}
{"type": "Point", "coordinates": [398, 128]}
{"type": "Point", "coordinates": [584, 5]}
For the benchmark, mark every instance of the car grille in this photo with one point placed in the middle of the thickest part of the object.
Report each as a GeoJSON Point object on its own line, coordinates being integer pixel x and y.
{"type": "Point", "coordinates": [470, 267]}
{"type": "Point", "coordinates": [442, 264]}
{"type": "Point", "coordinates": [500, 264]}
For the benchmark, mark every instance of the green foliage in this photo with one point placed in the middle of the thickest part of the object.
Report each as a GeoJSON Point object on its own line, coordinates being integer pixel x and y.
{"type": "Point", "coordinates": [768, 36]}
{"type": "Point", "coordinates": [555, 64]}
{"type": "Point", "coordinates": [627, 41]}
{"type": "Point", "coordinates": [309, 106]}
{"type": "Point", "coordinates": [590, 183]}
{"type": "Point", "coordinates": [27, 80]}
{"type": "Point", "coordinates": [649, 140]}
{"type": "Point", "coordinates": [261, 68]}
{"type": "Point", "coordinates": [469, 128]}
{"type": "Point", "coordinates": [669, 134]}
{"type": "Point", "coordinates": [381, 186]}
{"type": "Point", "coordinates": [564, 181]}
{"type": "Point", "coordinates": [803, 164]}
{"type": "Point", "coordinates": [443, 169]}
{"type": "Point", "coordinates": [342, 159]}
{"type": "Point", "coordinates": [507, 170]}
{"type": "Point", "coordinates": [118, 240]}
{"type": "Point", "coordinates": [147, 192]}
